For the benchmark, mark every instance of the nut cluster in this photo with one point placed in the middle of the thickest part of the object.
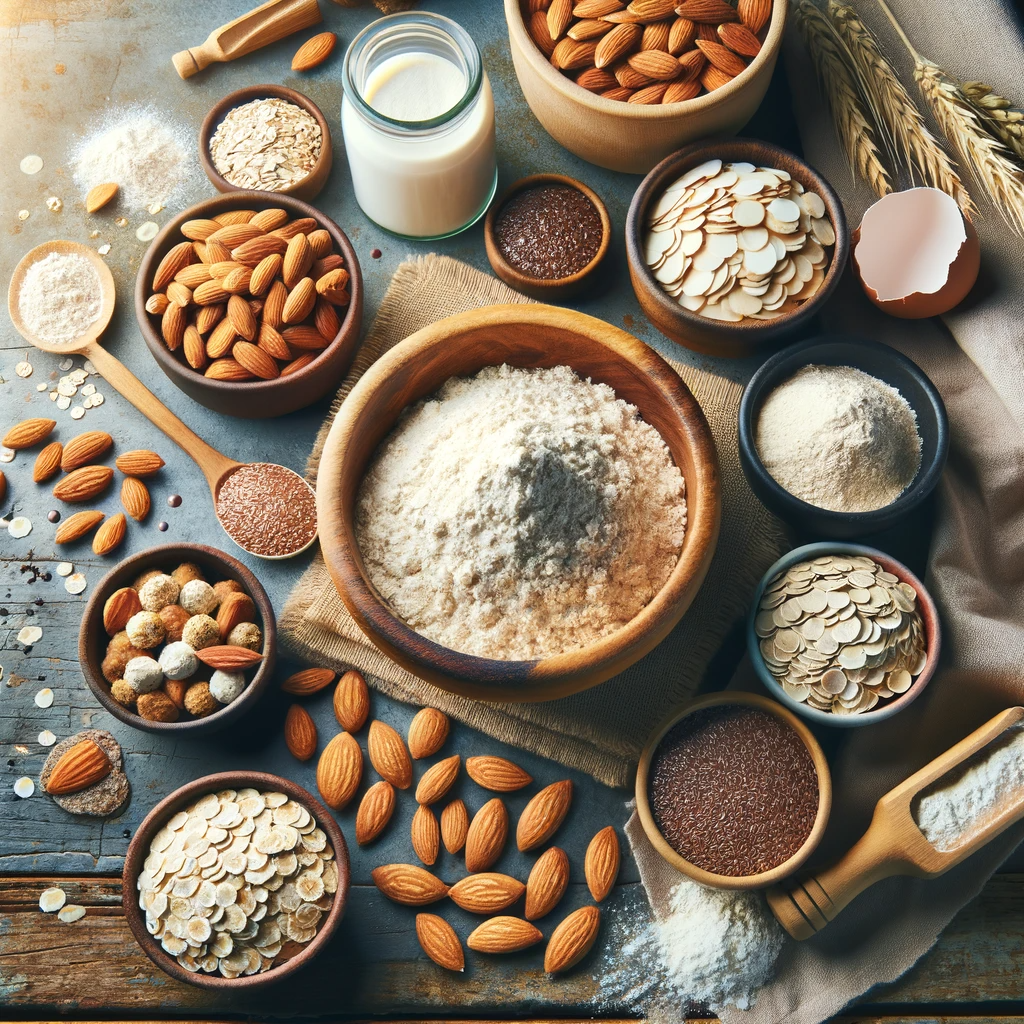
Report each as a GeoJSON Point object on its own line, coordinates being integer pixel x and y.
{"type": "Point", "coordinates": [250, 296]}
{"type": "Point", "coordinates": [652, 51]}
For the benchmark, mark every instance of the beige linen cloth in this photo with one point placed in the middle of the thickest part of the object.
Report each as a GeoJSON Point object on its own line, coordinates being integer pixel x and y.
{"type": "Point", "coordinates": [602, 730]}
{"type": "Point", "coordinates": [976, 567]}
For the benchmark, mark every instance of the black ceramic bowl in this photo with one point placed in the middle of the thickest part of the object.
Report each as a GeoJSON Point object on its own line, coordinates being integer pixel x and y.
{"type": "Point", "coordinates": [880, 361]}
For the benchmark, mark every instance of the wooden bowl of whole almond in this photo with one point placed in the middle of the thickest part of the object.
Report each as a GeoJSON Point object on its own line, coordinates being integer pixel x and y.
{"type": "Point", "coordinates": [251, 303]}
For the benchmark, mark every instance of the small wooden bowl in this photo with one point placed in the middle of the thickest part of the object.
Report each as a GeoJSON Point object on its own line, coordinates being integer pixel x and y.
{"type": "Point", "coordinates": [542, 288]}
{"type": "Point", "coordinates": [715, 337]}
{"type": "Point", "coordinates": [254, 399]}
{"type": "Point", "coordinates": [765, 878]}
{"type": "Point", "coordinates": [884, 709]}
{"type": "Point", "coordinates": [180, 798]}
{"type": "Point", "coordinates": [93, 638]}
{"type": "Point", "coordinates": [524, 335]}
{"type": "Point", "coordinates": [309, 187]}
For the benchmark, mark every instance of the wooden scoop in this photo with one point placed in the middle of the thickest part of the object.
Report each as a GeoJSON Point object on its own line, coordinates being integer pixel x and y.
{"type": "Point", "coordinates": [893, 843]}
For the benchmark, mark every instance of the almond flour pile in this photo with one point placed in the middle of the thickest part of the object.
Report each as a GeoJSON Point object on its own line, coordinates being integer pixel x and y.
{"type": "Point", "coordinates": [519, 514]}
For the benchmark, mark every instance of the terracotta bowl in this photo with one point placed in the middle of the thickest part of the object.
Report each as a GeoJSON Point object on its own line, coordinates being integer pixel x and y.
{"type": "Point", "coordinates": [92, 637]}
{"type": "Point", "coordinates": [543, 288]}
{"type": "Point", "coordinates": [526, 336]}
{"type": "Point", "coordinates": [765, 878]}
{"type": "Point", "coordinates": [256, 399]}
{"type": "Point", "coordinates": [885, 708]}
{"type": "Point", "coordinates": [181, 798]}
{"type": "Point", "coordinates": [715, 337]}
{"type": "Point", "coordinates": [310, 186]}
{"type": "Point", "coordinates": [628, 136]}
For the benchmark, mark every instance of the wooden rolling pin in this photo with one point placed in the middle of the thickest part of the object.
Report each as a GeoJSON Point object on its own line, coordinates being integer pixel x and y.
{"type": "Point", "coordinates": [260, 27]}
{"type": "Point", "coordinates": [893, 843]}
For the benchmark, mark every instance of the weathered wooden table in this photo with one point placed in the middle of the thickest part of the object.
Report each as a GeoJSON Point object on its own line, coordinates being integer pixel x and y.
{"type": "Point", "coordinates": [67, 64]}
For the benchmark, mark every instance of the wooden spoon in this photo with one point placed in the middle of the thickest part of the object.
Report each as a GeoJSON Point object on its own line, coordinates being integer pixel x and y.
{"type": "Point", "coordinates": [215, 467]}
{"type": "Point", "coordinates": [893, 843]}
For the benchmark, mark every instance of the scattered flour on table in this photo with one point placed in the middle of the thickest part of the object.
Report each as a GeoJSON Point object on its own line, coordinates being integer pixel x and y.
{"type": "Point", "coordinates": [520, 513]}
{"type": "Point", "coordinates": [61, 295]}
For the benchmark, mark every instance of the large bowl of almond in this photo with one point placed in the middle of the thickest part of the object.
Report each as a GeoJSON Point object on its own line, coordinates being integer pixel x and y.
{"type": "Point", "coordinates": [251, 303]}
{"type": "Point", "coordinates": [623, 83]}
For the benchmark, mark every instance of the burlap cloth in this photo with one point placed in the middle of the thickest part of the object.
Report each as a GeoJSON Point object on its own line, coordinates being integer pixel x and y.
{"type": "Point", "coordinates": [602, 730]}
{"type": "Point", "coordinates": [976, 566]}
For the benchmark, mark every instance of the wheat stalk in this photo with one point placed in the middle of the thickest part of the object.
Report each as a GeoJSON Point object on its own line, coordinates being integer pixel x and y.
{"type": "Point", "coordinates": [912, 143]}
{"type": "Point", "coordinates": [1006, 120]}
{"type": "Point", "coordinates": [852, 121]}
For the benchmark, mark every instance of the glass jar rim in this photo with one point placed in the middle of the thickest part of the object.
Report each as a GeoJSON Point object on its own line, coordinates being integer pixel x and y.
{"type": "Point", "coordinates": [459, 37]}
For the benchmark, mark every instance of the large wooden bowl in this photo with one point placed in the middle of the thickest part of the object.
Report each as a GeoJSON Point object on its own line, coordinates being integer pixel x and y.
{"type": "Point", "coordinates": [524, 336]}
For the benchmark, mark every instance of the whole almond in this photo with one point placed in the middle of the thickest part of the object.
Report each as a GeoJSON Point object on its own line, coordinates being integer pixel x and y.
{"type": "Point", "coordinates": [713, 78]}
{"type": "Point", "coordinates": [301, 225]}
{"type": "Point", "coordinates": [85, 448]}
{"type": "Point", "coordinates": [156, 304]}
{"type": "Point", "coordinates": [216, 252]}
{"type": "Point", "coordinates": [408, 884]}
{"type": "Point", "coordinates": [229, 658]}
{"type": "Point", "coordinates": [178, 256]}
{"type": "Point", "coordinates": [314, 51]}
{"type": "Point", "coordinates": [308, 681]}
{"type": "Point", "coordinates": [437, 780]}
{"type": "Point", "coordinates": [739, 39]}
{"type": "Point", "coordinates": [80, 766]}
{"type": "Point", "coordinates": [601, 865]}
{"type": "Point", "coordinates": [259, 363]}
{"type": "Point", "coordinates": [110, 534]}
{"type": "Point", "coordinates": [179, 294]}
{"type": "Point", "coordinates": [596, 79]}
{"type": "Point", "coordinates": [241, 317]}
{"type": "Point", "coordinates": [199, 229]}
{"type": "Point", "coordinates": [300, 302]}
{"type": "Point", "coordinates": [221, 340]}
{"type": "Point", "coordinates": [588, 30]}
{"type": "Point", "coordinates": [426, 835]}
{"type": "Point", "coordinates": [47, 462]}
{"type": "Point", "coordinates": [227, 369]}
{"type": "Point", "coordinates": [620, 94]}
{"type": "Point", "coordinates": [656, 64]}
{"type": "Point", "coordinates": [83, 484]}
{"type": "Point", "coordinates": [375, 810]}
{"type": "Point", "coordinates": [652, 10]}
{"type": "Point", "coordinates": [194, 348]}
{"type": "Point", "coordinates": [454, 826]}
{"type": "Point", "coordinates": [650, 94]}
{"type": "Point", "coordinates": [298, 363]}
{"type": "Point", "coordinates": [172, 325]}
{"type": "Point", "coordinates": [28, 433]}
{"type": "Point", "coordinates": [629, 78]}
{"type": "Point", "coordinates": [264, 273]}
{"type": "Point", "coordinates": [99, 195]}
{"type": "Point", "coordinates": [709, 12]}
{"type": "Point", "coordinates": [193, 275]}
{"type": "Point", "coordinates": [755, 14]}
{"type": "Point", "coordinates": [537, 26]}
{"type": "Point", "coordinates": [299, 732]}
{"type": "Point", "coordinates": [325, 319]}
{"type": "Point", "coordinates": [119, 608]}
{"type": "Point", "coordinates": [210, 293]}
{"type": "Point", "coordinates": [620, 41]}
{"type": "Point", "coordinates": [223, 270]}
{"type": "Point", "coordinates": [722, 57]}
{"type": "Point", "coordinates": [233, 236]}
{"type": "Point", "coordinates": [236, 283]}
{"type": "Point", "coordinates": [234, 217]}
{"type": "Point", "coordinates": [693, 63]}
{"type": "Point", "coordinates": [235, 608]}
{"type": "Point", "coordinates": [427, 732]}
{"type": "Point", "coordinates": [681, 90]}
{"type": "Point", "coordinates": [655, 36]}
{"type": "Point", "coordinates": [140, 462]}
{"type": "Point", "coordinates": [333, 286]}
{"type": "Point", "coordinates": [439, 941]}
{"type": "Point", "coordinates": [255, 250]}
{"type": "Point", "coordinates": [503, 935]}
{"type": "Point", "coordinates": [388, 755]}
{"type": "Point", "coordinates": [487, 834]}
{"type": "Point", "coordinates": [549, 878]}
{"type": "Point", "coordinates": [269, 219]}
{"type": "Point", "coordinates": [351, 701]}
{"type": "Point", "coordinates": [77, 526]}
{"type": "Point", "coordinates": [339, 771]}
{"type": "Point", "coordinates": [681, 35]}
{"type": "Point", "coordinates": [272, 343]}
{"type": "Point", "coordinates": [320, 243]}
{"type": "Point", "coordinates": [569, 55]}
{"type": "Point", "coordinates": [487, 893]}
{"type": "Point", "coordinates": [305, 338]}
{"type": "Point", "coordinates": [543, 814]}
{"type": "Point", "coordinates": [135, 498]}
{"type": "Point", "coordinates": [497, 774]}
{"type": "Point", "coordinates": [596, 8]}
{"type": "Point", "coordinates": [298, 258]}
{"type": "Point", "coordinates": [572, 940]}
{"type": "Point", "coordinates": [559, 16]}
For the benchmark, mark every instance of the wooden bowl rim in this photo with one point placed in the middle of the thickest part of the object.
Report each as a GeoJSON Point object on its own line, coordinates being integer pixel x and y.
{"type": "Point", "coordinates": [929, 616]}
{"type": "Point", "coordinates": [121, 575]}
{"type": "Point", "coordinates": [517, 278]}
{"type": "Point", "coordinates": [638, 111]}
{"type": "Point", "coordinates": [732, 148]}
{"type": "Point", "coordinates": [175, 368]}
{"type": "Point", "coordinates": [154, 821]}
{"type": "Point", "coordinates": [763, 879]}
{"type": "Point", "coordinates": [219, 110]}
{"type": "Point", "coordinates": [558, 675]}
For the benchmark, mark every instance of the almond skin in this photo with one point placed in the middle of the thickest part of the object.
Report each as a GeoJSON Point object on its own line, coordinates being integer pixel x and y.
{"type": "Point", "coordinates": [375, 810]}
{"type": "Point", "coordinates": [426, 835]}
{"type": "Point", "coordinates": [408, 884]}
{"type": "Point", "coordinates": [299, 732]}
{"type": "Point", "coordinates": [487, 835]}
{"type": "Point", "coordinates": [99, 195]}
{"type": "Point", "coordinates": [388, 755]}
{"type": "Point", "coordinates": [439, 941]}
{"type": "Point", "coordinates": [454, 826]}
{"type": "Point", "coordinates": [47, 462]}
{"type": "Point", "coordinates": [427, 732]}
{"type": "Point", "coordinates": [83, 484]}
{"type": "Point", "coordinates": [137, 463]}
{"type": "Point", "coordinates": [497, 774]}
{"type": "Point", "coordinates": [229, 658]}
{"type": "Point", "coordinates": [308, 681]}
{"type": "Point", "coordinates": [28, 433]}
{"type": "Point", "coordinates": [339, 771]}
{"type": "Point", "coordinates": [755, 14]}
{"type": "Point", "coordinates": [135, 498]}
{"type": "Point", "coordinates": [547, 883]}
{"type": "Point", "coordinates": [503, 935]}
{"type": "Point", "coordinates": [77, 526]}
{"type": "Point", "coordinates": [110, 535]}
{"type": "Point", "coordinates": [543, 814]}
{"type": "Point", "coordinates": [487, 893]}
{"type": "Point", "coordinates": [572, 940]}
{"type": "Point", "coordinates": [437, 780]}
{"type": "Point", "coordinates": [314, 51]}
{"type": "Point", "coordinates": [85, 448]}
{"type": "Point", "coordinates": [82, 765]}
{"type": "Point", "coordinates": [119, 608]}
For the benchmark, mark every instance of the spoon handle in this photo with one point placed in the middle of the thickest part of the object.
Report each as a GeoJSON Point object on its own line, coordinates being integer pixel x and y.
{"type": "Point", "coordinates": [214, 466]}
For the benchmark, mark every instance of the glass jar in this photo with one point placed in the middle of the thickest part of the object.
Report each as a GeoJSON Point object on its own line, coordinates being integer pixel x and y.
{"type": "Point", "coordinates": [418, 120]}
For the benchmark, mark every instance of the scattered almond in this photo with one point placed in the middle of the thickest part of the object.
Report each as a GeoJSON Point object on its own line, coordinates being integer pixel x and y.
{"type": "Point", "coordinates": [487, 893]}
{"type": "Point", "coordinates": [549, 878]}
{"type": "Point", "coordinates": [426, 835]}
{"type": "Point", "coordinates": [28, 433]}
{"type": "Point", "coordinates": [437, 780]}
{"type": "Point", "coordinates": [81, 766]}
{"type": "Point", "coordinates": [110, 534]}
{"type": "Point", "coordinates": [351, 701]}
{"type": "Point", "coordinates": [503, 935]}
{"type": "Point", "coordinates": [314, 51]}
{"type": "Point", "coordinates": [408, 884]}
{"type": "Point", "coordinates": [83, 484]}
{"type": "Point", "coordinates": [85, 448]}
{"type": "Point", "coordinates": [439, 941]}
{"type": "Point", "coordinates": [543, 814]}
{"type": "Point", "coordinates": [388, 755]}
{"type": "Point", "coordinates": [487, 834]}
{"type": "Point", "coordinates": [375, 810]}
{"type": "Point", "coordinates": [427, 732]}
{"type": "Point", "coordinates": [137, 463]}
{"type": "Point", "coordinates": [299, 731]}
{"type": "Point", "coordinates": [572, 940]}
{"type": "Point", "coordinates": [77, 526]}
{"type": "Point", "coordinates": [47, 462]}
{"type": "Point", "coordinates": [308, 681]}
{"type": "Point", "coordinates": [135, 498]}
{"type": "Point", "coordinates": [99, 195]}
{"type": "Point", "coordinates": [339, 771]}
{"type": "Point", "coordinates": [601, 865]}
{"type": "Point", "coordinates": [497, 774]}
{"type": "Point", "coordinates": [454, 826]}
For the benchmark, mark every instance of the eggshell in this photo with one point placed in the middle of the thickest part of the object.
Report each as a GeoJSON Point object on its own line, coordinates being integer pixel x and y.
{"type": "Point", "coordinates": [915, 254]}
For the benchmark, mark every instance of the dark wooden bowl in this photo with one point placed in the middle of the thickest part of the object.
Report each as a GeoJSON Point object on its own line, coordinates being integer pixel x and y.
{"type": "Point", "coordinates": [310, 186]}
{"type": "Point", "coordinates": [180, 798]}
{"type": "Point", "coordinates": [253, 399]}
{"type": "Point", "coordinates": [92, 637]}
{"type": "Point", "coordinates": [541, 288]}
{"type": "Point", "coordinates": [764, 878]}
{"type": "Point", "coordinates": [524, 336]}
{"type": "Point", "coordinates": [714, 337]}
